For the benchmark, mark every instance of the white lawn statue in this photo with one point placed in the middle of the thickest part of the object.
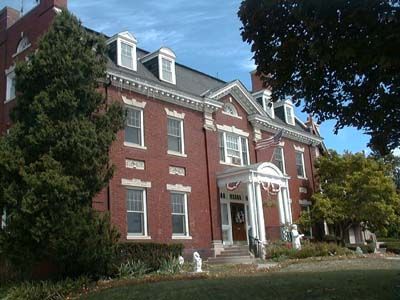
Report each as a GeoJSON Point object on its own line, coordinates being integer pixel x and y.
{"type": "Point", "coordinates": [197, 262]}
{"type": "Point", "coordinates": [181, 260]}
{"type": "Point", "coordinates": [296, 237]}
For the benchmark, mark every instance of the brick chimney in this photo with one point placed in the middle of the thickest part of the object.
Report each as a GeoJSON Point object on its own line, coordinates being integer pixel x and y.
{"type": "Point", "coordinates": [8, 16]}
{"type": "Point", "coordinates": [256, 82]}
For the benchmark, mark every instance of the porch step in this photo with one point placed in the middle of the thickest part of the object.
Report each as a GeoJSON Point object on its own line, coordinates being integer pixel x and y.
{"type": "Point", "coordinates": [235, 254]}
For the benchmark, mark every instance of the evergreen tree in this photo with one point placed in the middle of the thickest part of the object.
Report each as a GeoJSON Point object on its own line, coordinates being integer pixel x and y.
{"type": "Point", "coordinates": [55, 159]}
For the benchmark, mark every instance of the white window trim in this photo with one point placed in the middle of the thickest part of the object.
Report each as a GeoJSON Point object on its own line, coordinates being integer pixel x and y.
{"type": "Point", "coordinates": [145, 235]}
{"type": "Point", "coordinates": [235, 114]}
{"type": "Point", "coordinates": [240, 151]}
{"type": "Point", "coordinates": [303, 165]}
{"type": "Point", "coordinates": [174, 114]}
{"type": "Point", "coordinates": [187, 235]}
{"type": "Point", "coordinates": [119, 52]}
{"type": "Point", "coordinates": [289, 106]}
{"type": "Point", "coordinates": [283, 159]}
{"type": "Point", "coordinates": [133, 145]}
{"type": "Point", "coordinates": [21, 49]}
{"type": "Point", "coordinates": [299, 148]}
{"type": "Point", "coordinates": [134, 182]}
{"type": "Point", "coordinates": [10, 75]}
{"type": "Point", "coordinates": [232, 129]}
{"type": "Point", "coordinates": [3, 218]}
{"type": "Point", "coordinates": [172, 152]}
{"type": "Point", "coordinates": [133, 102]}
{"type": "Point", "coordinates": [160, 70]}
{"type": "Point", "coordinates": [179, 188]}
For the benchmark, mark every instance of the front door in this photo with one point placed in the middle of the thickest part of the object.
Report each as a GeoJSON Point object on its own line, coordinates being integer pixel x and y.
{"type": "Point", "coordinates": [238, 222]}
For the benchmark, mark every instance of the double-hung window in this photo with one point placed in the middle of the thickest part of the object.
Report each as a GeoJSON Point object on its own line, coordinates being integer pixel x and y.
{"type": "Point", "coordinates": [166, 70]}
{"type": "Point", "coordinates": [180, 224]}
{"type": "Point", "coordinates": [289, 114]}
{"type": "Point", "coordinates": [127, 55]}
{"type": "Point", "coordinates": [175, 136]}
{"type": "Point", "coordinates": [300, 164]}
{"type": "Point", "coordinates": [134, 127]}
{"type": "Point", "coordinates": [279, 159]}
{"type": "Point", "coordinates": [11, 83]}
{"type": "Point", "coordinates": [233, 149]}
{"type": "Point", "coordinates": [136, 212]}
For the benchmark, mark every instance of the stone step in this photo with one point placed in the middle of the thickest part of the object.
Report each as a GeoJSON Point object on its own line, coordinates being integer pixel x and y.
{"type": "Point", "coordinates": [231, 260]}
{"type": "Point", "coordinates": [234, 253]}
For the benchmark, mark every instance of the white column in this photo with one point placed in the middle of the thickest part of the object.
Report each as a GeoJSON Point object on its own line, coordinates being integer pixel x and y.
{"type": "Point", "coordinates": [286, 205]}
{"type": "Point", "coordinates": [281, 209]}
{"type": "Point", "coordinates": [251, 210]}
{"type": "Point", "coordinates": [260, 213]}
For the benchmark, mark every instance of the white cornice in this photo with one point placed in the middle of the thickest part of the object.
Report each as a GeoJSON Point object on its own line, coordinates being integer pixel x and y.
{"type": "Point", "coordinates": [290, 133]}
{"type": "Point", "coordinates": [154, 90]}
{"type": "Point", "coordinates": [239, 92]}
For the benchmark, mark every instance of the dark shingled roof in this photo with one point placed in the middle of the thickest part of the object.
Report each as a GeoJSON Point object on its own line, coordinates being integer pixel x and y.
{"type": "Point", "coordinates": [187, 80]}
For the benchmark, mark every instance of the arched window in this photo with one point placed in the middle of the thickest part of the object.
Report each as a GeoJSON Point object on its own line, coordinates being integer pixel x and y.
{"type": "Point", "coordinates": [23, 44]}
{"type": "Point", "coordinates": [229, 109]}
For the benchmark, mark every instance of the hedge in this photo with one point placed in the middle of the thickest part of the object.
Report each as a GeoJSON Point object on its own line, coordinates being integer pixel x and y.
{"type": "Point", "coordinates": [279, 250]}
{"type": "Point", "coordinates": [152, 254]}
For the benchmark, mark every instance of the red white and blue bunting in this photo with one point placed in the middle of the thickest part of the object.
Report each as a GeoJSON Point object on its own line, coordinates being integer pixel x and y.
{"type": "Point", "coordinates": [271, 188]}
{"type": "Point", "coordinates": [232, 186]}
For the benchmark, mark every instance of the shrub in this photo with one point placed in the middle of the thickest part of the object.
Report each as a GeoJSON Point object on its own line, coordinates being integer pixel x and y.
{"type": "Point", "coordinates": [152, 254]}
{"type": "Point", "coordinates": [47, 290]}
{"type": "Point", "coordinates": [88, 248]}
{"type": "Point", "coordinates": [7, 272]}
{"type": "Point", "coordinates": [390, 246]}
{"type": "Point", "coordinates": [279, 251]}
{"type": "Point", "coordinates": [170, 266]}
{"type": "Point", "coordinates": [369, 248]}
{"type": "Point", "coordinates": [132, 269]}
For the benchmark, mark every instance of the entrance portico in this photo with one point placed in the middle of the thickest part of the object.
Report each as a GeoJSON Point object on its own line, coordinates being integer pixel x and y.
{"type": "Point", "coordinates": [241, 200]}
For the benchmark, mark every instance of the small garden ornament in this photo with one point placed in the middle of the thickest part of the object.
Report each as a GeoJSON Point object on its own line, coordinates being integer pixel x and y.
{"type": "Point", "coordinates": [296, 237]}
{"type": "Point", "coordinates": [197, 261]}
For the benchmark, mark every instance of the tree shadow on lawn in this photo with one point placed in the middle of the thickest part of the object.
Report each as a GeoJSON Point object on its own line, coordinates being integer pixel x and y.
{"type": "Point", "coordinates": [350, 284]}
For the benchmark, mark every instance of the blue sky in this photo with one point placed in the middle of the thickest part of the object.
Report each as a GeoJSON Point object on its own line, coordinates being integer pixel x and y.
{"type": "Point", "coordinates": [204, 34]}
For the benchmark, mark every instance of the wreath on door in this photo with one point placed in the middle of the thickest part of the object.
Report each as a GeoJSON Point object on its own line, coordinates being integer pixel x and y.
{"type": "Point", "coordinates": [239, 218]}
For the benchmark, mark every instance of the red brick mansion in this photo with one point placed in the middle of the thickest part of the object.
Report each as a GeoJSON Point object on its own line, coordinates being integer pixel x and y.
{"type": "Point", "coordinates": [188, 168]}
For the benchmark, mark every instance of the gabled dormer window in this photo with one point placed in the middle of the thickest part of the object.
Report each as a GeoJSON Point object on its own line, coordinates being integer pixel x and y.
{"type": "Point", "coordinates": [166, 62]}
{"type": "Point", "coordinates": [263, 98]}
{"type": "Point", "coordinates": [162, 64]}
{"type": "Point", "coordinates": [126, 55]}
{"type": "Point", "coordinates": [289, 113]}
{"type": "Point", "coordinates": [123, 50]}
{"type": "Point", "coordinates": [166, 72]}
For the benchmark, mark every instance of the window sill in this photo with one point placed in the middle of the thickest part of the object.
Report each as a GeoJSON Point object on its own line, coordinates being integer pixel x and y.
{"type": "Point", "coordinates": [135, 146]}
{"type": "Point", "coordinates": [302, 178]}
{"type": "Point", "coordinates": [9, 100]}
{"type": "Point", "coordinates": [230, 164]}
{"type": "Point", "coordinates": [170, 152]}
{"type": "Point", "coordinates": [138, 237]}
{"type": "Point", "coordinates": [181, 237]}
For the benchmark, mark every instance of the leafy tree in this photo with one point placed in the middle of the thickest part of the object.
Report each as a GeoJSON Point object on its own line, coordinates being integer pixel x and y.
{"type": "Point", "coordinates": [341, 57]}
{"type": "Point", "coordinates": [355, 190]}
{"type": "Point", "coordinates": [55, 159]}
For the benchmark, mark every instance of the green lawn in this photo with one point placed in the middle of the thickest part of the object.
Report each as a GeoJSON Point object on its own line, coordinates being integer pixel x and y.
{"type": "Point", "coordinates": [344, 284]}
